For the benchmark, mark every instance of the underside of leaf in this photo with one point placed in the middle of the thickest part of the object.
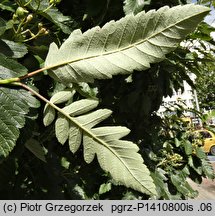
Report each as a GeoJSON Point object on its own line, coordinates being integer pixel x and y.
{"type": "Point", "coordinates": [134, 6]}
{"type": "Point", "coordinates": [76, 123]}
{"type": "Point", "coordinates": [132, 43]}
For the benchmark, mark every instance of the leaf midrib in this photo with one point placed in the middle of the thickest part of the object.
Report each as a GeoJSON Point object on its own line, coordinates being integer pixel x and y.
{"type": "Point", "coordinates": [122, 49]}
{"type": "Point", "coordinates": [95, 138]}
{"type": "Point", "coordinates": [85, 130]}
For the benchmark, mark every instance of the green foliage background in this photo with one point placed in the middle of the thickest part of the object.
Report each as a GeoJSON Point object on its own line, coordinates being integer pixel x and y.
{"type": "Point", "coordinates": [40, 168]}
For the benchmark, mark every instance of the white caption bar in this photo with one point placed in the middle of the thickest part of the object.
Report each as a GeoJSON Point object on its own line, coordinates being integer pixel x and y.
{"type": "Point", "coordinates": [108, 207]}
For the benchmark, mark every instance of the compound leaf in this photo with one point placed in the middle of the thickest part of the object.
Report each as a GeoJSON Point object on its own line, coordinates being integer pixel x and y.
{"type": "Point", "coordinates": [132, 43]}
{"type": "Point", "coordinates": [76, 123]}
{"type": "Point", "coordinates": [14, 106]}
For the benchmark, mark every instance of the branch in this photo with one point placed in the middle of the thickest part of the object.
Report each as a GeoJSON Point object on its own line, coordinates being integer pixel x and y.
{"type": "Point", "coordinates": [8, 81]}
{"type": "Point", "coordinates": [16, 80]}
{"type": "Point", "coordinates": [33, 73]}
